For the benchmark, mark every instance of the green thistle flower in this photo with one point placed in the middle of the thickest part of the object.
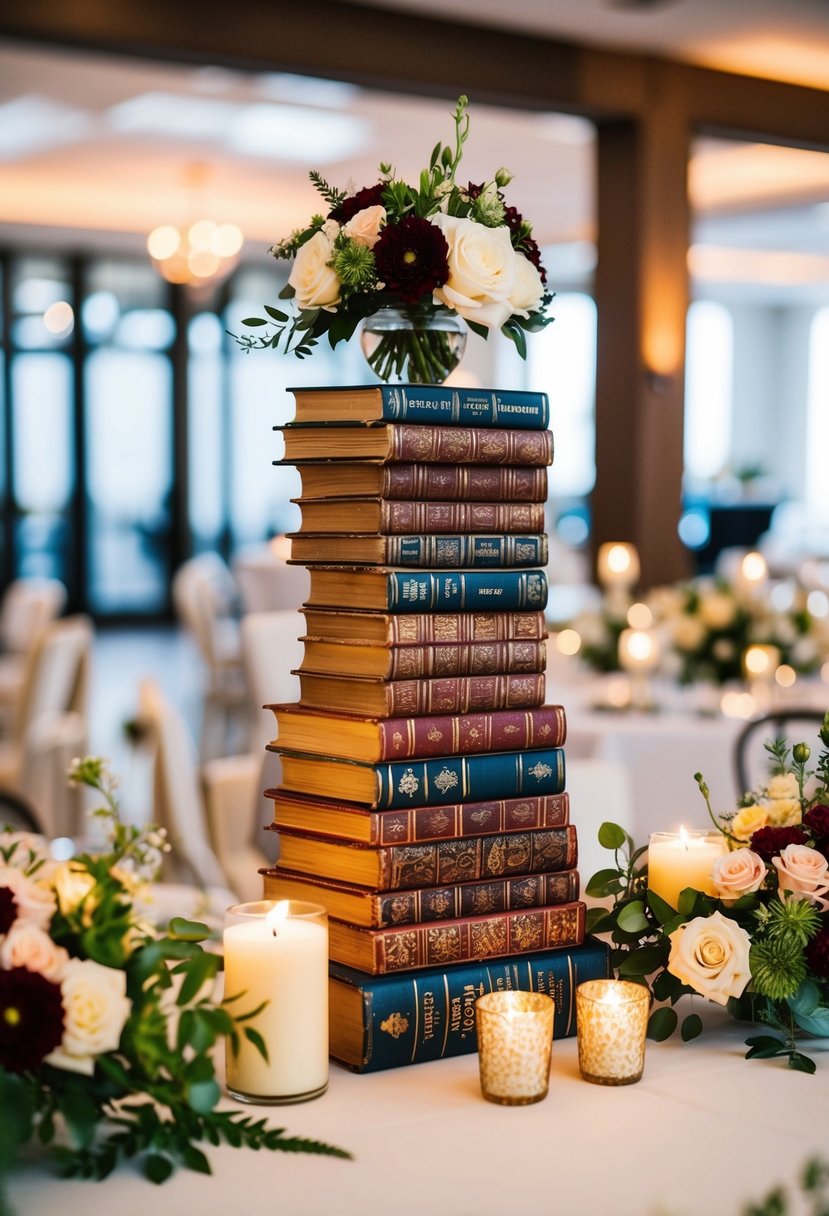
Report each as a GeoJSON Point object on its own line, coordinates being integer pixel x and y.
{"type": "Point", "coordinates": [487, 208]}
{"type": "Point", "coordinates": [778, 967]}
{"type": "Point", "coordinates": [792, 922]}
{"type": "Point", "coordinates": [354, 266]}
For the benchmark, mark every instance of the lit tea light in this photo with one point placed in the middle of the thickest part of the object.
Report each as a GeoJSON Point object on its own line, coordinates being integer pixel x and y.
{"type": "Point", "coordinates": [754, 568]}
{"type": "Point", "coordinates": [617, 564]}
{"type": "Point", "coordinates": [618, 693]}
{"type": "Point", "coordinates": [611, 1023]}
{"type": "Point", "coordinates": [677, 860]}
{"type": "Point", "coordinates": [515, 1039]}
{"type": "Point", "coordinates": [568, 642]}
{"type": "Point", "coordinates": [785, 676]}
{"type": "Point", "coordinates": [760, 662]}
{"type": "Point", "coordinates": [638, 650]}
{"type": "Point", "coordinates": [739, 704]}
{"type": "Point", "coordinates": [639, 616]}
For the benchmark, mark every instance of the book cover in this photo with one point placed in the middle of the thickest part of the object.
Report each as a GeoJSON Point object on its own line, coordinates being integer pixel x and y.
{"type": "Point", "coordinates": [423, 905]}
{"type": "Point", "coordinates": [447, 482]}
{"type": "Point", "coordinates": [421, 591]}
{"type": "Point", "coordinates": [393, 517]}
{"type": "Point", "coordinates": [409, 825]}
{"type": "Point", "coordinates": [440, 863]}
{"type": "Point", "coordinates": [449, 552]}
{"type": "Point", "coordinates": [400, 442]}
{"type": "Point", "coordinates": [410, 947]}
{"type": "Point", "coordinates": [423, 628]}
{"type": "Point", "coordinates": [389, 1021]}
{"type": "Point", "coordinates": [370, 740]}
{"type": "Point", "coordinates": [425, 403]}
{"type": "Point", "coordinates": [392, 698]}
{"type": "Point", "coordinates": [349, 657]}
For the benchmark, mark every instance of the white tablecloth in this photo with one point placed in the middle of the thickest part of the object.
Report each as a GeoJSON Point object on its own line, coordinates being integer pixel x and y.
{"type": "Point", "coordinates": [703, 1132]}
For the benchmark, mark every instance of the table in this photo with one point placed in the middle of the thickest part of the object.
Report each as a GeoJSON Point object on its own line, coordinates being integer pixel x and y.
{"type": "Point", "coordinates": [703, 1132]}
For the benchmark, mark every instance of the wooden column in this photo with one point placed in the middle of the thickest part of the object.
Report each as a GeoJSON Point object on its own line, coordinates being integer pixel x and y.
{"type": "Point", "coordinates": [642, 299]}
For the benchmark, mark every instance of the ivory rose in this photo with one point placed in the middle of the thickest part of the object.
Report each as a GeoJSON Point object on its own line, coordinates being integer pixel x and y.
{"type": "Point", "coordinates": [35, 902]}
{"type": "Point", "coordinates": [364, 227]}
{"type": "Point", "coordinates": [784, 812]}
{"type": "Point", "coordinates": [710, 954]}
{"type": "Point", "coordinates": [95, 1008]}
{"type": "Point", "coordinates": [738, 873]}
{"type": "Point", "coordinates": [748, 821]}
{"type": "Point", "coordinates": [803, 872]}
{"type": "Point", "coordinates": [481, 271]}
{"type": "Point", "coordinates": [783, 785]}
{"type": "Point", "coordinates": [528, 288]}
{"type": "Point", "coordinates": [27, 945]}
{"type": "Point", "coordinates": [314, 282]}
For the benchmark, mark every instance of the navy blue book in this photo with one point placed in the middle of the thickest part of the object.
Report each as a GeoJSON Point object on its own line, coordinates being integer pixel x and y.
{"type": "Point", "coordinates": [386, 1021]}
{"type": "Point", "coordinates": [407, 591]}
{"type": "Point", "coordinates": [429, 403]}
{"type": "Point", "coordinates": [441, 550]}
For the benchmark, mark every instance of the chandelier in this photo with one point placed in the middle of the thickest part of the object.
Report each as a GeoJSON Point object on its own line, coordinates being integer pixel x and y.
{"type": "Point", "coordinates": [200, 253]}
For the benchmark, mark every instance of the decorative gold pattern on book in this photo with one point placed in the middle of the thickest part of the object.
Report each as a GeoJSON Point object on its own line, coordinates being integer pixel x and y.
{"type": "Point", "coordinates": [396, 1024]}
{"type": "Point", "coordinates": [565, 926]}
{"type": "Point", "coordinates": [540, 770]}
{"type": "Point", "coordinates": [401, 950]}
{"type": "Point", "coordinates": [459, 860]}
{"type": "Point", "coordinates": [445, 781]}
{"type": "Point", "coordinates": [409, 784]}
{"type": "Point", "coordinates": [444, 944]}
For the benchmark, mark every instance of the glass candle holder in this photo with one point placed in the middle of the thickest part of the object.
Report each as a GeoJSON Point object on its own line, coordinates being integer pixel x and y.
{"type": "Point", "coordinates": [611, 1022]}
{"type": "Point", "coordinates": [276, 953]}
{"type": "Point", "coordinates": [683, 859]}
{"type": "Point", "coordinates": [515, 1038]}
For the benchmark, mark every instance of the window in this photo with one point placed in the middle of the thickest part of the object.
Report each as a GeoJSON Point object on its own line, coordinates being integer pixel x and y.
{"type": "Point", "coordinates": [817, 423]}
{"type": "Point", "coordinates": [708, 389]}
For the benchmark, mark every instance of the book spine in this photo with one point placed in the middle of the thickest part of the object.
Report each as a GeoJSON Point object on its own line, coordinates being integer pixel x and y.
{"type": "Point", "coordinates": [475, 898]}
{"type": "Point", "coordinates": [465, 549]}
{"type": "Point", "coordinates": [450, 444]}
{"type": "Point", "coordinates": [461, 627]}
{"type": "Point", "coordinates": [482, 857]}
{"type": "Point", "coordinates": [411, 947]}
{"type": "Point", "coordinates": [443, 735]}
{"type": "Point", "coordinates": [466, 483]}
{"type": "Point", "coordinates": [430, 1015]}
{"type": "Point", "coordinates": [477, 659]}
{"type": "Point", "coordinates": [464, 694]}
{"type": "Point", "coordinates": [465, 407]}
{"type": "Point", "coordinates": [466, 591]}
{"type": "Point", "coordinates": [411, 826]}
{"type": "Point", "coordinates": [401, 517]}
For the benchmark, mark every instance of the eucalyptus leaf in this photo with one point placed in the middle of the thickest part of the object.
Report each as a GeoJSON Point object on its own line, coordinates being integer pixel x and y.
{"type": "Point", "coordinates": [251, 322]}
{"type": "Point", "coordinates": [661, 1024]}
{"type": "Point", "coordinates": [157, 1168]}
{"type": "Point", "coordinates": [632, 917]}
{"type": "Point", "coordinates": [188, 930]}
{"type": "Point", "coordinates": [642, 961]}
{"type": "Point", "coordinates": [660, 907]}
{"type": "Point", "coordinates": [202, 1096]}
{"type": "Point", "coordinates": [597, 886]}
{"type": "Point", "coordinates": [801, 1063]}
{"type": "Point", "coordinates": [611, 836]}
{"type": "Point", "coordinates": [691, 1027]}
{"type": "Point", "coordinates": [816, 1023]}
{"type": "Point", "coordinates": [806, 1000]}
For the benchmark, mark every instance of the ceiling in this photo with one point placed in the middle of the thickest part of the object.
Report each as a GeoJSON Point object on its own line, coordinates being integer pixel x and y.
{"type": "Point", "coordinates": [95, 151]}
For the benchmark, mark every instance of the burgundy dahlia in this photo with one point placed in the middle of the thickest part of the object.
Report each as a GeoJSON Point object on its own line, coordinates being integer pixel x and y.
{"type": "Point", "coordinates": [770, 842]}
{"type": "Point", "coordinates": [412, 258]}
{"type": "Point", "coordinates": [369, 196]}
{"type": "Point", "coordinates": [817, 952]}
{"type": "Point", "coordinates": [8, 909]}
{"type": "Point", "coordinates": [31, 1019]}
{"type": "Point", "coordinates": [817, 820]}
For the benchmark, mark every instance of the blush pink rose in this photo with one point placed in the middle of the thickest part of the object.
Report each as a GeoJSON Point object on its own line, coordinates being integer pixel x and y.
{"type": "Point", "coordinates": [738, 873]}
{"type": "Point", "coordinates": [804, 873]}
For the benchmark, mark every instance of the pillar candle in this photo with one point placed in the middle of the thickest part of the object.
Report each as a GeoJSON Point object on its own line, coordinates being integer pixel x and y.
{"type": "Point", "coordinates": [278, 953]}
{"type": "Point", "coordinates": [682, 859]}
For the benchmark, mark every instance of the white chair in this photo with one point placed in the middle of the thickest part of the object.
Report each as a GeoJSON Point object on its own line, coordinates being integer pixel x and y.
{"type": "Point", "coordinates": [204, 596]}
{"type": "Point", "coordinates": [228, 860]}
{"type": "Point", "coordinates": [27, 607]}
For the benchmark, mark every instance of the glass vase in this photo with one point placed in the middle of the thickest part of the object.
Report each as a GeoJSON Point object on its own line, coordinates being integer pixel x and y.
{"type": "Point", "coordinates": [415, 346]}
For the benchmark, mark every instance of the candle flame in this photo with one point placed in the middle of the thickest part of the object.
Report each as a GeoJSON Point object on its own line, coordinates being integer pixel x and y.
{"type": "Point", "coordinates": [611, 996]}
{"type": "Point", "coordinates": [277, 914]}
{"type": "Point", "coordinates": [683, 837]}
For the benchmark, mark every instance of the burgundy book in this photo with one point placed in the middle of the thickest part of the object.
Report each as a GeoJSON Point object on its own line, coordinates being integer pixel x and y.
{"type": "Point", "coordinates": [384, 516]}
{"type": "Point", "coordinates": [409, 825]}
{"type": "Point", "coordinates": [401, 698]}
{"type": "Point", "coordinates": [403, 442]}
{"type": "Point", "coordinates": [449, 482]}
{"type": "Point", "coordinates": [424, 628]}
{"type": "Point", "coordinates": [353, 737]}
{"type": "Point", "coordinates": [347, 657]}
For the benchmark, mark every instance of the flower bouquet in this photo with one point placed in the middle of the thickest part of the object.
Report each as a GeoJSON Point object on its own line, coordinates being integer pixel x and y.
{"type": "Point", "coordinates": [756, 940]}
{"type": "Point", "coordinates": [107, 1026]}
{"type": "Point", "coordinates": [433, 253]}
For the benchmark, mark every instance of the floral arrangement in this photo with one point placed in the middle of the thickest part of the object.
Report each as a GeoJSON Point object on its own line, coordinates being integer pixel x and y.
{"type": "Point", "coordinates": [107, 1026]}
{"type": "Point", "coordinates": [435, 246]}
{"type": "Point", "coordinates": [757, 941]}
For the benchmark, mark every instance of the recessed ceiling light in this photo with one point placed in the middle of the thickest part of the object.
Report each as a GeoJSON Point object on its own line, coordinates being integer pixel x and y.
{"type": "Point", "coordinates": [174, 115]}
{"type": "Point", "coordinates": [306, 90]}
{"type": "Point", "coordinates": [293, 133]}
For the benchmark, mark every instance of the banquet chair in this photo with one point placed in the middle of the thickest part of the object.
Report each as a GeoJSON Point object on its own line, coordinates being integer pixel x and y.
{"type": "Point", "coordinates": [27, 607]}
{"type": "Point", "coordinates": [205, 600]}
{"type": "Point", "coordinates": [222, 862]}
{"type": "Point", "coordinates": [749, 755]}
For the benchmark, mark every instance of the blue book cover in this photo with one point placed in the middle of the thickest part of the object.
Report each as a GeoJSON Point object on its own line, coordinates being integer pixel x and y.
{"type": "Point", "coordinates": [466, 591]}
{"type": "Point", "coordinates": [470, 778]}
{"type": "Point", "coordinates": [467, 549]}
{"type": "Point", "coordinates": [390, 1020]}
{"type": "Point", "coordinates": [431, 404]}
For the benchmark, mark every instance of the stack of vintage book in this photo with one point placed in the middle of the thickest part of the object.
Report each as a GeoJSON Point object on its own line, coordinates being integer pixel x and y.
{"type": "Point", "coordinates": [422, 797]}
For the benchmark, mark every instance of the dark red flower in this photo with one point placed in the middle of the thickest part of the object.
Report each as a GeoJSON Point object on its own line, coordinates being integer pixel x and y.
{"type": "Point", "coordinates": [8, 909]}
{"type": "Point", "coordinates": [412, 258]}
{"type": "Point", "coordinates": [369, 196]}
{"type": "Point", "coordinates": [31, 1019]}
{"type": "Point", "coordinates": [817, 819]}
{"type": "Point", "coordinates": [817, 952]}
{"type": "Point", "coordinates": [770, 842]}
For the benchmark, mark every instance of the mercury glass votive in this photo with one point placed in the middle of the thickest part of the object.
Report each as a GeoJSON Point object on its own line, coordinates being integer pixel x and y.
{"type": "Point", "coordinates": [611, 1022]}
{"type": "Point", "coordinates": [515, 1039]}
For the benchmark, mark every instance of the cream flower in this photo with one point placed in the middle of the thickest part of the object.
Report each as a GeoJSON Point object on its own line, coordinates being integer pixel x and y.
{"type": "Point", "coordinates": [528, 288]}
{"type": "Point", "coordinates": [783, 785]}
{"type": "Point", "coordinates": [784, 812]}
{"type": "Point", "coordinates": [365, 226]}
{"type": "Point", "coordinates": [688, 632]}
{"type": "Point", "coordinates": [710, 954]}
{"type": "Point", "coordinates": [314, 282]}
{"type": "Point", "coordinates": [72, 884]}
{"type": "Point", "coordinates": [748, 821]}
{"type": "Point", "coordinates": [95, 1009]}
{"type": "Point", "coordinates": [35, 901]}
{"type": "Point", "coordinates": [717, 610]}
{"type": "Point", "coordinates": [26, 945]}
{"type": "Point", "coordinates": [738, 873]}
{"type": "Point", "coordinates": [481, 271]}
{"type": "Point", "coordinates": [804, 873]}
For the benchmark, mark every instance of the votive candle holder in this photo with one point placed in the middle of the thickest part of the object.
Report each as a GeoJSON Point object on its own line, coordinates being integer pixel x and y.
{"type": "Point", "coordinates": [515, 1039]}
{"type": "Point", "coordinates": [611, 1023]}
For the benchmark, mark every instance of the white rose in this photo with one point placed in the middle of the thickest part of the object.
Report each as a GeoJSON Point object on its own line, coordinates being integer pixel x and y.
{"type": "Point", "coordinates": [481, 271]}
{"type": "Point", "coordinates": [26, 945]}
{"type": "Point", "coordinates": [528, 288]}
{"type": "Point", "coordinates": [717, 610]}
{"type": "Point", "coordinates": [95, 1008]}
{"type": "Point", "coordinates": [783, 785]}
{"type": "Point", "coordinates": [688, 632]}
{"type": "Point", "coordinates": [313, 280]}
{"type": "Point", "coordinates": [738, 873]}
{"type": "Point", "coordinates": [804, 873]}
{"type": "Point", "coordinates": [364, 227]}
{"type": "Point", "coordinates": [34, 900]}
{"type": "Point", "coordinates": [710, 954]}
